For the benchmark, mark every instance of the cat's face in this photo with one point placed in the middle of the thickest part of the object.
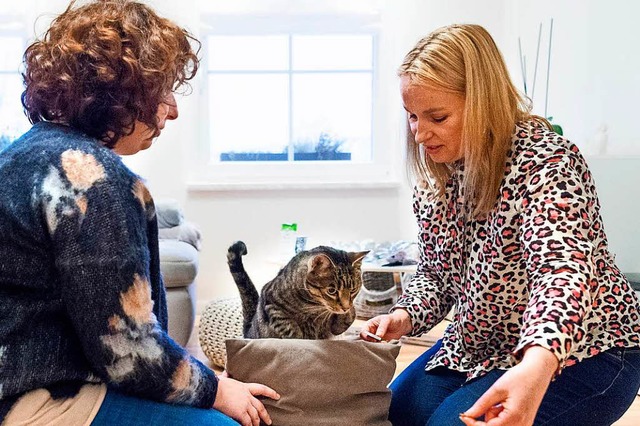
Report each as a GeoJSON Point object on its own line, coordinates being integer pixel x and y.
{"type": "Point", "coordinates": [335, 285]}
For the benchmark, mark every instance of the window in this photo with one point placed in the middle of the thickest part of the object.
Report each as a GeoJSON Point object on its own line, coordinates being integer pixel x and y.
{"type": "Point", "coordinates": [310, 96]}
{"type": "Point", "coordinates": [14, 122]}
{"type": "Point", "coordinates": [289, 101]}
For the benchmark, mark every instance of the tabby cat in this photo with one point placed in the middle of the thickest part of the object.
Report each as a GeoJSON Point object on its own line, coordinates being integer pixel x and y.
{"type": "Point", "coordinates": [310, 298]}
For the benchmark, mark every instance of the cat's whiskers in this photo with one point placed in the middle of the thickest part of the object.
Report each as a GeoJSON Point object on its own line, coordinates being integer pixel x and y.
{"type": "Point", "coordinates": [315, 309]}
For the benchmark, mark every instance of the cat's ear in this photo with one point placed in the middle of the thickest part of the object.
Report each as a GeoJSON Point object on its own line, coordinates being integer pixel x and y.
{"type": "Point", "coordinates": [319, 263]}
{"type": "Point", "coordinates": [356, 257]}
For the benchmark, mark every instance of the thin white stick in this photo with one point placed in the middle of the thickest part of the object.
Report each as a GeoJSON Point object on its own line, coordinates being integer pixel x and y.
{"type": "Point", "coordinates": [546, 95]}
{"type": "Point", "coordinates": [524, 77]}
{"type": "Point", "coordinates": [535, 68]}
{"type": "Point", "coordinates": [524, 60]}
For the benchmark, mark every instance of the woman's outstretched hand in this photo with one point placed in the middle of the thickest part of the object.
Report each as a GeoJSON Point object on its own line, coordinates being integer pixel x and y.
{"type": "Point", "coordinates": [238, 400]}
{"type": "Point", "coordinates": [515, 397]}
{"type": "Point", "coordinates": [388, 326]}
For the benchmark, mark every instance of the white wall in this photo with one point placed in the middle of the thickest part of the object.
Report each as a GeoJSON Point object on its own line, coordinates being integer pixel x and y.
{"type": "Point", "coordinates": [594, 84]}
{"type": "Point", "coordinates": [594, 81]}
{"type": "Point", "coordinates": [323, 215]}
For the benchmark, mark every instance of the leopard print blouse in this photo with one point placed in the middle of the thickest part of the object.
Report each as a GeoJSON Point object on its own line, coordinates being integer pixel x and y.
{"type": "Point", "coordinates": [536, 270]}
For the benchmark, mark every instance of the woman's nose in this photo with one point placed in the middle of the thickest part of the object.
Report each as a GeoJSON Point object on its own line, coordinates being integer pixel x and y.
{"type": "Point", "coordinates": [172, 112]}
{"type": "Point", "coordinates": [421, 133]}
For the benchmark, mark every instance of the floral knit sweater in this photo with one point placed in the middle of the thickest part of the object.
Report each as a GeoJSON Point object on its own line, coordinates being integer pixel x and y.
{"type": "Point", "coordinates": [81, 295]}
{"type": "Point", "coordinates": [536, 270]}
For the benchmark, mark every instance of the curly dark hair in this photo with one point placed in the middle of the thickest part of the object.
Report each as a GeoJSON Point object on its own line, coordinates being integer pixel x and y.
{"type": "Point", "coordinates": [103, 66]}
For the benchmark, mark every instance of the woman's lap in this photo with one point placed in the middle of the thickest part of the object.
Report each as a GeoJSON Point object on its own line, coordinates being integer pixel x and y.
{"type": "Point", "coordinates": [596, 391]}
{"type": "Point", "coordinates": [119, 409]}
{"type": "Point", "coordinates": [409, 403]}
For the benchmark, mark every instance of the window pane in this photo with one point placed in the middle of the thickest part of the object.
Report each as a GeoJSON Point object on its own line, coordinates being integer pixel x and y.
{"type": "Point", "coordinates": [248, 114]}
{"type": "Point", "coordinates": [248, 53]}
{"type": "Point", "coordinates": [11, 50]}
{"type": "Point", "coordinates": [332, 52]}
{"type": "Point", "coordinates": [14, 122]}
{"type": "Point", "coordinates": [333, 111]}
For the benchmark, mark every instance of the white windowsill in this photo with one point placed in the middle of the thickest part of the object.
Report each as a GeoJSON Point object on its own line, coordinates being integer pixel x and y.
{"type": "Point", "coordinates": [252, 186]}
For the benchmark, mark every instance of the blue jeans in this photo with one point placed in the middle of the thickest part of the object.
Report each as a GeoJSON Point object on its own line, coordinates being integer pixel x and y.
{"type": "Point", "coordinates": [119, 409]}
{"type": "Point", "coordinates": [596, 391]}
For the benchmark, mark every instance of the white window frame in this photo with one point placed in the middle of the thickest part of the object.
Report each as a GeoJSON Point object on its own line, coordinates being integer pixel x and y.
{"type": "Point", "coordinates": [207, 174]}
{"type": "Point", "coordinates": [12, 25]}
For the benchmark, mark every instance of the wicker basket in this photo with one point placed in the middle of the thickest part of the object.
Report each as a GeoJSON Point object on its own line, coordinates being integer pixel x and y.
{"type": "Point", "coordinates": [221, 320]}
{"type": "Point", "coordinates": [377, 295]}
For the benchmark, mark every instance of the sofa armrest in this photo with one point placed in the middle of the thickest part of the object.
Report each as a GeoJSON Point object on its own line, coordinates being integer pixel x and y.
{"type": "Point", "coordinates": [178, 263]}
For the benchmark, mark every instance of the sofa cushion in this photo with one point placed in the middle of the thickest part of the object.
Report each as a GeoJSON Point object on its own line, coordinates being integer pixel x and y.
{"type": "Point", "coordinates": [168, 213]}
{"type": "Point", "coordinates": [186, 231]}
{"type": "Point", "coordinates": [178, 263]}
{"type": "Point", "coordinates": [321, 382]}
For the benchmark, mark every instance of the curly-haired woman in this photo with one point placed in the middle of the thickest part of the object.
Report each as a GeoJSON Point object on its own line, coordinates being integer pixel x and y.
{"type": "Point", "coordinates": [83, 316]}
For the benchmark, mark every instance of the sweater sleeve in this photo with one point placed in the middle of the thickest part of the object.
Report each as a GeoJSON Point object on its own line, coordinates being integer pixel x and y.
{"type": "Point", "coordinates": [425, 298]}
{"type": "Point", "coordinates": [98, 215]}
{"type": "Point", "coordinates": [557, 236]}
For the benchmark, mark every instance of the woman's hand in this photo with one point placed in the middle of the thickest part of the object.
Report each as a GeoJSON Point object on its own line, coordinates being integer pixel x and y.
{"type": "Point", "coordinates": [388, 326]}
{"type": "Point", "coordinates": [515, 397]}
{"type": "Point", "coordinates": [238, 400]}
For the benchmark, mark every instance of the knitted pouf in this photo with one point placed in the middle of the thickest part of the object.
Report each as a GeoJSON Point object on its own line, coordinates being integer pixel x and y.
{"type": "Point", "coordinates": [221, 320]}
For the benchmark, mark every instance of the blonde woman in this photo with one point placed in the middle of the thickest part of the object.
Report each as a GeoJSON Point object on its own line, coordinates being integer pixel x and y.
{"type": "Point", "coordinates": [545, 328]}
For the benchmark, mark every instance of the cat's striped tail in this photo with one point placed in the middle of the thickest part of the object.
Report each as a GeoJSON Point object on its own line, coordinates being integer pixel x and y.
{"type": "Point", "coordinates": [248, 293]}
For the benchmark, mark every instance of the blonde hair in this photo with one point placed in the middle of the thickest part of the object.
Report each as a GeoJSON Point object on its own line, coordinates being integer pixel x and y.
{"type": "Point", "coordinates": [465, 60]}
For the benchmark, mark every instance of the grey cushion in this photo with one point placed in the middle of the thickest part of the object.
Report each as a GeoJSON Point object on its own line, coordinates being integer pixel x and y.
{"type": "Point", "coordinates": [187, 232]}
{"type": "Point", "coordinates": [321, 382]}
{"type": "Point", "coordinates": [168, 213]}
{"type": "Point", "coordinates": [178, 263]}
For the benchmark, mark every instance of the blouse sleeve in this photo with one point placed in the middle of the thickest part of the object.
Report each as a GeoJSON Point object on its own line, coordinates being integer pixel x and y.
{"type": "Point", "coordinates": [98, 215]}
{"type": "Point", "coordinates": [558, 245]}
{"type": "Point", "coordinates": [425, 298]}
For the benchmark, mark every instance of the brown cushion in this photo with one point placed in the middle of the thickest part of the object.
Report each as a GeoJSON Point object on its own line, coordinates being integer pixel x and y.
{"type": "Point", "coordinates": [321, 382]}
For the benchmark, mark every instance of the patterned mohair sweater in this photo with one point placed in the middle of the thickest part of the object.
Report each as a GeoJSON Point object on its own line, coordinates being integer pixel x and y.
{"type": "Point", "coordinates": [81, 296]}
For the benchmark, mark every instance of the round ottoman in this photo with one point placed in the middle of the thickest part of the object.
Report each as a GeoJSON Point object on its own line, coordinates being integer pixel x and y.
{"type": "Point", "coordinates": [221, 320]}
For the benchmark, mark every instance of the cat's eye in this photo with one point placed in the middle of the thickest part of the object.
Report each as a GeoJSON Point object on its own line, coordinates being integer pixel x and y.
{"type": "Point", "coordinates": [332, 291]}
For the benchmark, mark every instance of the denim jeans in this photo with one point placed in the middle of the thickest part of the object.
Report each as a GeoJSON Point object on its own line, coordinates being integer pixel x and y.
{"type": "Point", "coordinates": [595, 391]}
{"type": "Point", "coordinates": [119, 409]}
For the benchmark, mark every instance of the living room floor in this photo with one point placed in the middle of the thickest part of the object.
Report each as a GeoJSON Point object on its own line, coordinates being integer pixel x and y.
{"type": "Point", "coordinates": [409, 352]}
